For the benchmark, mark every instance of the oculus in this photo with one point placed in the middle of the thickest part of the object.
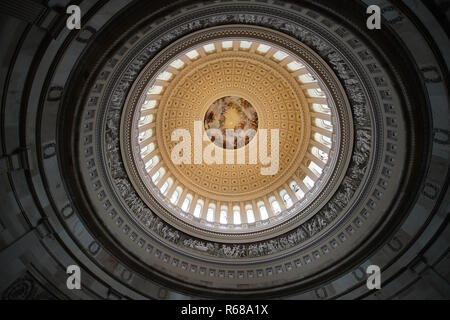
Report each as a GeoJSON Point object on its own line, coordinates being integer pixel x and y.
{"type": "Point", "coordinates": [235, 118]}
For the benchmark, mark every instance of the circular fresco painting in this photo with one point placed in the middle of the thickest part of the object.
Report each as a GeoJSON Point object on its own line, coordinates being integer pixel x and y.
{"type": "Point", "coordinates": [231, 122]}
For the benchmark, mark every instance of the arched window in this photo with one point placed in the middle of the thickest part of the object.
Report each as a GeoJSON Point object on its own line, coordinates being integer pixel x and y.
{"type": "Point", "coordinates": [164, 76]}
{"type": "Point", "coordinates": [145, 134]}
{"type": "Point", "coordinates": [280, 55]}
{"type": "Point", "coordinates": [326, 139]}
{"type": "Point", "coordinates": [316, 92]}
{"type": "Point", "coordinates": [319, 154]}
{"type": "Point", "coordinates": [286, 198]}
{"type": "Point", "coordinates": [210, 212]}
{"type": "Point", "coordinates": [236, 215]}
{"type": "Point", "coordinates": [145, 119]}
{"type": "Point", "coordinates": [307, 78]}
{"type": "Point", "coordinates": [158, 175]}
{"type": "Point", "coordinates": [322, 108]}
{"type": "Point", "coordinates": [155, 90]}
{"type": "Point", "coordinates": [263, 48]}
{"type": "Point", "coordinates": [148, 164]}
{"type": "Point", "coordinates": [227, 44]}
{"type": "Point", "coordinates": [149, 104]}
{"type": "Point", "coordinates": [309, 182]}
{"type": "Point", "coordinates": [262, 210]}
{"type": "Point", "coordinates": [275, 205]}
{"type": "Point", "coordinates": [223, 218]}
{"type": "Point", "coordinates": [147, 149]}
{"type": "Point", "coordinates": [324, 124]}
{"type": "Point", "coordinates": [315, 168]}
{"type": "Point", "coordinates": [294, 66]}
{"type": "Point", "coordinates": [245, 44]}
{"type": "Point", "coordinates": [176, 194]}
{"type": "Point", "coordinates": [294, 186]}
{"type": "Point", "coordinates": [298, 192]}
{"type": "Point", "coordinates": [177, 64]}
{"type": "Point", "coordinates": [186, 203]}
{"type": "Point", "coordinates": [151, 163]}
{"type": "Point", "coordinates": [192, 54]}
{"type": "Point", "coordinates": [250, 214]}
{"type": "Point", "coordinates": [166, 186]}
{"type": "Point", "coordinates": [198, 209]}
{"type": "Point", "coordinates": [209, 47]}
{"type": "Point", "coordinates": [322, 139]}
{"type": "Point", "coordinates": [155, 176]}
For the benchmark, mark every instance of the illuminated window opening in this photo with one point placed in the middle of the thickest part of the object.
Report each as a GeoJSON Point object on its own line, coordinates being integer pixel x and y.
{"type": "Point", "coordinates": [250, 214]}
{"type": "Point", "coordinates": [165, 76]}
{"type": "Point", "coordinates": [186, 203]}
{"type": "Point", "coordinates": [149, 104]}
{"type": "Point", "coordinates": [198, 209]}
{"type": "Point", "coordinates": [262, 211]}
{"type": "Point", "coordinates": [210, 212]}
{"type": "Point", "coordinates": [155, 90]}
{"type": "Point", "coordinates": [175, 195]}
{"type": "Point", "coordinates": [316, 93]}
{"type": "Point", "coordinates": [209, 47]}
{"type": "Point", "coordinates": [192, 54]}
{"type": "Point", "coordinates": [245, 44]}
{"type": "Point", "coordinates": [275, 205]}
{"type": "Point", "coordinates": [294, 66]}
{"type": "Point", "coordinates": [297, 190]}
{"type": "Point", "coordinates": [315, 168]}
{"type": "Point", "coordinates": [151, 163]}
{"type": "Point", "coordinates": [286, 198]}
{"type": "Point", "coordinates": [223, 217]}
{"type": "Point", "coordinates": [236, 215]}
{"type": "Point", "coordinates": [307, 78]}
{"type": "Point", "coordinates": [158, 175]}
{"type": "Point", "coordinates": [227, 44]}
{"type": "Point", "coordinates": [166, 186]}
{"type": "Point", "coordinates": [322, 139]}
{"type": "Point", "coordinates": [280, 55]}
{"type": "Point", "coordinates": [308, 182]}
{"type": "Point", "coordinates": [177, 64]}
{"type": "Point", "coordinates": [263, 48]}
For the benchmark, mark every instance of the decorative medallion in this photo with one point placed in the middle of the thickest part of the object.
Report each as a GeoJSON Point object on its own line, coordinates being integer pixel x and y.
{"type": "Point", "coordinates": [231, 122]}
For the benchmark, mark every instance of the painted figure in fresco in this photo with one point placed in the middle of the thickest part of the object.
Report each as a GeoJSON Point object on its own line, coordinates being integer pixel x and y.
{"type": "Point", "coordinates": [231, 113]}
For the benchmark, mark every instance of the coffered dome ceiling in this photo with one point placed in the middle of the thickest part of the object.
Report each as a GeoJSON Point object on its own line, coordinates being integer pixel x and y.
{"type": "Point", "coordinates": [233, 199]}
{"type": "Point", "coordinates": [136, 185]}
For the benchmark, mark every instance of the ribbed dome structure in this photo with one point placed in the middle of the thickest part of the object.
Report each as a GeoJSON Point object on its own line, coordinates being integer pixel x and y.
{"type": "Point", "coordinates": [234, 192]}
